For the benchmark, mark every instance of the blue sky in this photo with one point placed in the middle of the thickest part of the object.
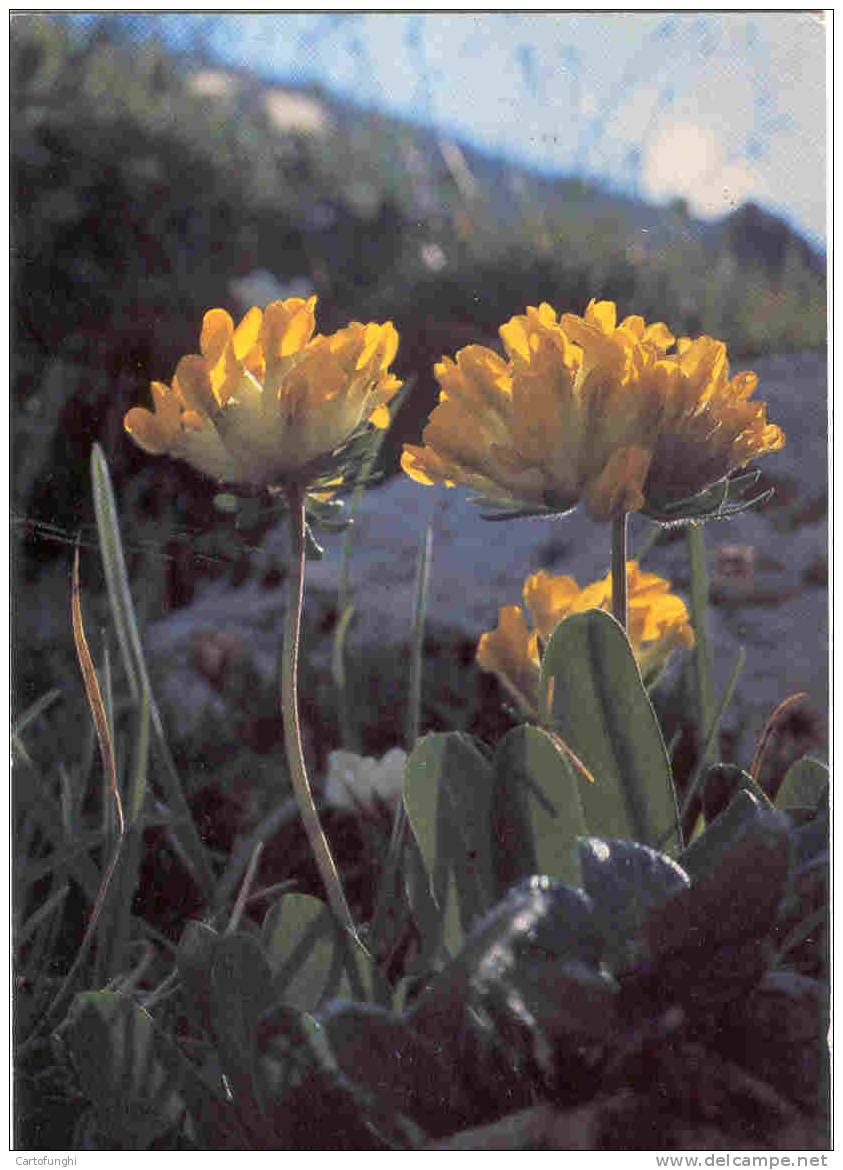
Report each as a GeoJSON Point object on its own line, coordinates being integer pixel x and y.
{"type": "Point", "coordinates": [715, 107]}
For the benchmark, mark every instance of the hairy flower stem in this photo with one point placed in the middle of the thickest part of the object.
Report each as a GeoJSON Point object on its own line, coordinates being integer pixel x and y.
{"type": "Point", "coordinates": [290, 713]}
{"type": "Point", "coordinates": [619, 569]}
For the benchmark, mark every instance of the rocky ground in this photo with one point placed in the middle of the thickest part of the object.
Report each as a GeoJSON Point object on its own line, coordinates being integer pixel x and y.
{"type": "Point", "coordinates": [768, 567]}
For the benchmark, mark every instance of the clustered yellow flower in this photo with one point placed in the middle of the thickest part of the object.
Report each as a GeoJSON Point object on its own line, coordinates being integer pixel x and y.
{"type": "Point", "coordinates": [620, 416]}
{"type": "Point", "coordinates": [658, 624]}
{"type": "Point", "coordinates": [268, 404]}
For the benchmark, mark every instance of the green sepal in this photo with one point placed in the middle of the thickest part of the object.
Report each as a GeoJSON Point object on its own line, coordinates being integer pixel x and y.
{"type": "Point", "coordinates": [721, 500]}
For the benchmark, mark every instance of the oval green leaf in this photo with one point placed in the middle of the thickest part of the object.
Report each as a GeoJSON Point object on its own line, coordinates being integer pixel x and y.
{"type": "Point", "coordinates": [600, 707]}
{"type": "Point", "coordinates": [537, 814]}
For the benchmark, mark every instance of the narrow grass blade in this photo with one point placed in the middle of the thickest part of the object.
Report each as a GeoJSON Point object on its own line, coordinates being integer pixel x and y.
{"type": "Point", "coordinates": [417, 645]}
{"type": "Point", "coordinates": [348, 737]}
{"type": "Point", "coordinates": [128, 638]}
{"type": "Point", "coordinates": [245, 888]}
{"type": "Point", "coordinates": [711, 737]}
{"type": "Point", "coordinates": [95, 699]}
{"type": "Point", "coordinates": [116, 577]}
{"type": "Point", "coordinates": [769, 729]}
{"type": "Point", "coordinates": [39, 916]}
{"type": "Point", "coordinates": [35, 710]}
{"type": "Point", "coordinates": [387, 889]}
{"type": "Point", "coordinates": [284, 814]}
{"type": "Point", "coordinates": [140, 771]}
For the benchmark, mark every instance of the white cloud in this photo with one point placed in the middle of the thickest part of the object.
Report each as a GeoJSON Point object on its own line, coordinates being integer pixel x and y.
{"type": "Point", "coordinates": [687, 161]}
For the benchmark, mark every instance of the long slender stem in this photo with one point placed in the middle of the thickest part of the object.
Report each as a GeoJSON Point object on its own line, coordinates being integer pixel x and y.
{"type": "Point", "coordinates": [290, 713]}
{"type": "Point", "coordinates": [699, 621]}
{"type": "Point", "coordinates": [619, 569]}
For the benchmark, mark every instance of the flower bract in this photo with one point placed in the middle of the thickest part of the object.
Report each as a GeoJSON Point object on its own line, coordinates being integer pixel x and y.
{"type": "Point", "coordinates": [618, 416]}
{"type": "Point", "coordinates": [657, 624]}
{"type": "Point", "coordinates": [268, 403]}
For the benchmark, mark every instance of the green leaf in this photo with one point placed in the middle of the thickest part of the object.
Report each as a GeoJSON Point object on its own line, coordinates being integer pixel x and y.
{"type": "Point", "coordinates": [709, 945]}
{"type": "Point", "coordinates": [704, 852]}
{"type": "Point", "coordinates": [194, 957]}
{"type": "Point", "coordinates": [300, 946]}
{"type": "Point", "coordinates": [722, 782]}
{"type": "Point", "coordinates": [526, 997]}
{"type": "Point", "coordinates": [112, 1045]}
{"type": "Point", "coordinates": [537, 814]}
{"type": "Point", "coordinates": [448, 799]}
{"type": "Point", "coordinates": [600, 707]}
{"type": "Point", "coordinates": [805, 784]}
{"type": "Point", "coordinates": [625, 881]}
{"type": "Point", "coordinates": [240, 992]}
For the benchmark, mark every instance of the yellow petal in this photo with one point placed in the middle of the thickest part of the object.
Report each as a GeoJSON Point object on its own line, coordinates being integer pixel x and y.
{"type": "Point", "coordinates": [287, 326]}
{"type": "Point", "coordinates": [511, 653]}
{"type": "Point", "coordinates": [619, 486]}
{"type": "Point", "coordinates": [659, 335]}
{"type": "Point", "coordinates": [247, 333]}
{"type": "Point", "coordinates": [414, 460]}
{"type": "Point", "coordinates": [603, 314]}
{"type": "Point", "coordinates": [146, 430]}
{"type": "Point", "coordinates": [217, 330]}
{"type": "Point", "coordinates": [549, 600]}
{"type": "Point", "coordinates": [194, 384]}
{"type": "Point", "coordinates": [516, 337]}
{"type": "Point", "coordinates": [380, 417]}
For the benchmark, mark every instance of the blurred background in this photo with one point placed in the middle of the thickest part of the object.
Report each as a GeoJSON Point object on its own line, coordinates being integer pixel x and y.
{"type": "Point", "coordinates": [443, 171]}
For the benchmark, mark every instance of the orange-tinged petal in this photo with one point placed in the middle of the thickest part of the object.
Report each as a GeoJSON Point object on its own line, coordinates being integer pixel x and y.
{"type": "Point", "coordinates": [287, 326]}
{"type": "Point", "coordinates": [416, 461]}
{"type": "Point", "coordinates": [194, 385]}
{"type": "Point", "coordinates": [619, 486]}
{"type": "Point", "coordinates": [247, 333]}
{"type": "Point", "coordinates": [217, 330]}
{"type": "Point", "coordinates": [658, 620]}
{"type": "Point", "coordinates": [603, 314]}
{"type": "Point", "coordinates": [146, 430]}
{"type": "Point", "coordinates": [168, 405]}
{"type": "Point", "coordinates": [516, 337]}
{"type": "Point", "coordinates": [511, 653]}
{"type": "Point", "coordinates": [633, 325]}
{"type": "Point", "coordinates": [549, 599]}
{"type": "Point", "coordinates": [659, 336]}
{"type": "Point", "coordinates": [380, 417]}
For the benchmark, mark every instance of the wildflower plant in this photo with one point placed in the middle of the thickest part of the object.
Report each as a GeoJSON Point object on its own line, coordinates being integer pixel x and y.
{"type": "Point", "coordinates": [621, 417]}
{"type": "Point", "coordinates": [559, 927]}
{"type": "Point", "coordinates": [268, 405]}
{"type": "Point", "coordinates": [658, 624]}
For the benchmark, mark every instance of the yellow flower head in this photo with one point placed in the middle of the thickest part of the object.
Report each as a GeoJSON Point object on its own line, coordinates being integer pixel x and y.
{"type": "Point", "coordinates": [268, 403]}
{"type": "Point", "coordinates": [658, 623]}
{"type": "Point", "coordinates": [583, 408]}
